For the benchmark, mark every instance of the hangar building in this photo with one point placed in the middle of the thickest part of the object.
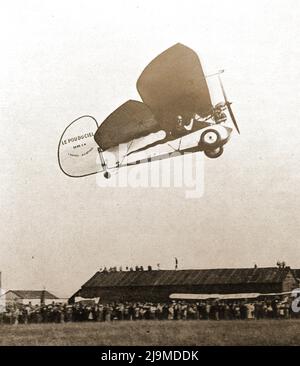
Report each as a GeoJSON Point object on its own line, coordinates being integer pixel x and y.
{"type": "Point", "coordinates": [158, 285]}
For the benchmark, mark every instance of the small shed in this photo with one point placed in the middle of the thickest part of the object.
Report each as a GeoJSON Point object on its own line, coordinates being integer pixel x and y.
{"type": "Point", "coordinates": [33, 297]}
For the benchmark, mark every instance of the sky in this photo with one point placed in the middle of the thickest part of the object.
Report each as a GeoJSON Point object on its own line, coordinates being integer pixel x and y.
{"type": "Point", "coordinates": [62, 59]}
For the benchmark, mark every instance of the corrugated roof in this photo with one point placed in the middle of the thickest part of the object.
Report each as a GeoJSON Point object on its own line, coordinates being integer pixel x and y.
{"type": "Point", "coordinates": [188, 277]}
{"type": "Point", "coordinates": [33, 294]}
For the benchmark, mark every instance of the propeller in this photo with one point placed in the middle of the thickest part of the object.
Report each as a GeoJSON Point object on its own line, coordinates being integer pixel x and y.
{"type": "Point", "coordinates": [228, 104]}
{"type": "Point", "coordinates": [232, 117]}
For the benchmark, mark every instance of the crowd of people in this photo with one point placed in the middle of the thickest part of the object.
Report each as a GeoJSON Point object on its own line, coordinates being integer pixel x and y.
{"type": "Point", "coordinates": [174, 310]}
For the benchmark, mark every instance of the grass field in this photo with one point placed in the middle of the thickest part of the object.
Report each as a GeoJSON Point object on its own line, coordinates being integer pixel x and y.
{"type": "Point", "coordinates": [167, 333]}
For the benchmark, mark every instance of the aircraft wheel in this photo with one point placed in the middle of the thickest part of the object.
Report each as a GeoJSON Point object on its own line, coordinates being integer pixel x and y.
{"type": "Point", "coordinates": [213, 154]}
{"type": "Point", "coordinates": [107, 175]}
{"type": "Point", "coordinates": [210, 139]}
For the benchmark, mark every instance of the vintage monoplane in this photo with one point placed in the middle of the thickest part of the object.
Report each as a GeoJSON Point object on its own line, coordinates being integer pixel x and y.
{"type": "Point", "coordinates": [176, 108]}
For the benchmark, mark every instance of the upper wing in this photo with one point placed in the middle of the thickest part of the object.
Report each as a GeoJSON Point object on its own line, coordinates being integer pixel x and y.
{"type": "Point", "coordinates": [131, 120]}
{"type": "Point", "coordinates": [174, 84]}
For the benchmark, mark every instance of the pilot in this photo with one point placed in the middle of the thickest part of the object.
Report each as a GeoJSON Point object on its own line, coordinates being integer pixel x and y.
{"type": "Point", "coordinates": [179, 124]}
{"type": "Point", "coordinates": [182, 125]}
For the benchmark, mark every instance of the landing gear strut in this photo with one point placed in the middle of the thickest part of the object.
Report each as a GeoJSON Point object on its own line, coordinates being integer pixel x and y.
{"type": "Point", "coordinates": [106, 174]}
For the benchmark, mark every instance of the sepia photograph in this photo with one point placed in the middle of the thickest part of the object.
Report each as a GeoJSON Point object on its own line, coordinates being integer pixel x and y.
{"type": "Point", "coordinates": [149, 175]}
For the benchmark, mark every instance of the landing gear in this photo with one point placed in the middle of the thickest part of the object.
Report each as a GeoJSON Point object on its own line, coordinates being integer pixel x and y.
{"type": "Point", "coordinates": [106, 174]}
{"type": "Point", "coordinates": [215, 153]}
{"type": "Point", "coordinates": [210, 139]}
{"type": "Point", "coordinates": [210, 142]}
